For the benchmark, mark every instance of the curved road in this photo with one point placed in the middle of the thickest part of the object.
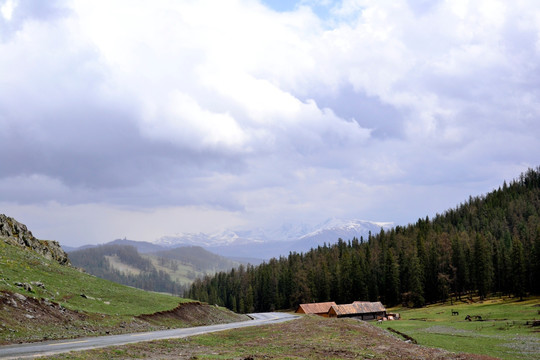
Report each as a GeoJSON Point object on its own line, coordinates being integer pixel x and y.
{"type": "Point", "coordinates": [56, 347]}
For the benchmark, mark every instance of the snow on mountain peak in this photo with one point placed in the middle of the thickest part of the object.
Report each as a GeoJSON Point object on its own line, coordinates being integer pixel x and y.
{"type": "Point", "coordinates": [330, 229]}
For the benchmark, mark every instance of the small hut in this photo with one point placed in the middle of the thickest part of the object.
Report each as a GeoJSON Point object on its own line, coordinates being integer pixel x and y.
{"type": "Point", "coordinates": [320, 309]}
{"type": "Point", "coordinates": [362, 309]}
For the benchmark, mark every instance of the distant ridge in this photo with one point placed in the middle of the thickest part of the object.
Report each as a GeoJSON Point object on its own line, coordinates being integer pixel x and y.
{"type": "Point", "coordinates": [265, 244]}
{"type": "Point", "coordinates": [143, 247]}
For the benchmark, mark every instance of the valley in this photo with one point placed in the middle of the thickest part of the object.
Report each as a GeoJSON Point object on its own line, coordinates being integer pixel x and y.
{"type": "Point", "coordinates": [463, 281]}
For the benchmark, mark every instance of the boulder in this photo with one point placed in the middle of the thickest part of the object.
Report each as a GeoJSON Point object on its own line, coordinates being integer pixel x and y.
{"type": "Point", "coordinates": [14, 233]}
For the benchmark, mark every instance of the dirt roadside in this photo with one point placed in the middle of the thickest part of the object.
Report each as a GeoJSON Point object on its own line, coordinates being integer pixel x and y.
{"type": "Point", "coordinates": [26, 319]}
{"type": "Point", "coordinates": [309, 337]}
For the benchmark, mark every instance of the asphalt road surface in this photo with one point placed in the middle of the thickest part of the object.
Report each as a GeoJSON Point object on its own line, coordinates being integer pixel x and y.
{"type": "Point", "coordinates": [55, 347]}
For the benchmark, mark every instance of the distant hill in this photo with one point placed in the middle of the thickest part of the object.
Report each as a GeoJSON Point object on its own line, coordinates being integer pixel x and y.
{"type": "Point", "coordinates": [138, 264]}
{"type": "Point", "coordinates": [143, 247]}
{"type": "Point", "coordinates": [202, 260]}
{"type": "Point", "coordinates": [124, 265]}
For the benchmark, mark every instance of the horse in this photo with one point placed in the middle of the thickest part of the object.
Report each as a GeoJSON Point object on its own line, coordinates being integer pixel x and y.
{"type": "Point", "coordinates": [455, 313]}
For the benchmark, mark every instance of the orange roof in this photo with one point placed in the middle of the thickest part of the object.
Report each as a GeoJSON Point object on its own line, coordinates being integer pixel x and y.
{"type": "Point", "coordinates": [315, 308]}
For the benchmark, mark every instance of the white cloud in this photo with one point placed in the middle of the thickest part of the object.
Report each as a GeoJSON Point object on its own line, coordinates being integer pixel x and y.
{"type": "Point", "coordinates": [7, 9]}
{"type": "Point", "coordinates": [180, 118]}
{"type": "Point", "coordinates": [230, 104]}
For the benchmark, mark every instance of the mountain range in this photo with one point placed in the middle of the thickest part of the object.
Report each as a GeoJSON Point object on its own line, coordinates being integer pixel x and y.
{"type": "Point", "coordinates": [267, 243]}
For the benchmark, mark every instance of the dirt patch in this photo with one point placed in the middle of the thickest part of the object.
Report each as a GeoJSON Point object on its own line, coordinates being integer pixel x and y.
{"type": "Point", "coordinates": [26, 308]}
{"type": "Point", "coordinates": [194, 314]}
{"type": "Point", "coordinates": [20, 315]}
{"type": "Point", "coordinates": [27, 319]}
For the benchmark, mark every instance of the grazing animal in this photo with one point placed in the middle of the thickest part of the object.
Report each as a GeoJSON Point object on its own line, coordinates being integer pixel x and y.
{"type": "Point", "coordinates": [455, 313]}
{"type": "Point", "coordinates": [468, 317]}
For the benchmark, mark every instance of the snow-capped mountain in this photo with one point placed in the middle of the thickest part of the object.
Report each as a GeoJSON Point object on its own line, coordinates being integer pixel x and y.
{"type": "Point", "coordinates": [227, 237]}
{"type": "Point", "coordinates": [346, 230]}
{"type": "Point", "coordinates": [264, 244]}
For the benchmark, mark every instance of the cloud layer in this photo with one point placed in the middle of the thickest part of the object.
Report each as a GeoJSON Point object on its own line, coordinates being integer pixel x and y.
{"type": "Point", "coordinates": [383, 110]}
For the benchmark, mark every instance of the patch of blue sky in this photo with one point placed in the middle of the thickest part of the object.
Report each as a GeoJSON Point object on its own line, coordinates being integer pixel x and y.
{"type": "Point", "coordinates": [322, 8]}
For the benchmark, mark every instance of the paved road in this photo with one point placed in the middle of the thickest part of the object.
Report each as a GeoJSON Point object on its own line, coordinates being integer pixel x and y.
{"type": "Point", "coordinates": [55, 347]}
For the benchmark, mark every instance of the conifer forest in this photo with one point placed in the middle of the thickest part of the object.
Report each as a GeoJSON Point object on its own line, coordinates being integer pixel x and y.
{"type": "Point", "coordinates": [486, 246]}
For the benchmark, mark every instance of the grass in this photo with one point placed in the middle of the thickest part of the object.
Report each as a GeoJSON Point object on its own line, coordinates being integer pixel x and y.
{"type": "Point", "coordinates": [505, 331]}
{"type": "Point", "coordinates": [105, 308]}
{"type": "Point", "coordinates": [65, 285]}
{"type": "Point", "coordinates": [182, 273]}
{"type": "Point", "coordinates": [310, 337]}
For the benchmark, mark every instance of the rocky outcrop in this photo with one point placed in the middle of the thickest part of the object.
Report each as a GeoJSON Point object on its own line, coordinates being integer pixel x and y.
{"type": "Point", "coordinates": [14, 233]}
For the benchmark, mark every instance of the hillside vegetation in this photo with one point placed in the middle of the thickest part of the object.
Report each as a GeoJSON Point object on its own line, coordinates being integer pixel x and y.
{"type": "Point", "coordinates": [169, 271]}
{"type": "Point", "coordinates": [488, 245]}
{"type": "Point", "coordinates": [202, 261]}
{"type": "Point", "coordinates": [43, 299]}
{"type": "Point", "coordinates": [124, 265]}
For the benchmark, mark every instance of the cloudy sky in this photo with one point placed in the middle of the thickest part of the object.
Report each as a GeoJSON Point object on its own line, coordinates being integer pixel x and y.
{"type": "Point", "coordinates": [138, 119]}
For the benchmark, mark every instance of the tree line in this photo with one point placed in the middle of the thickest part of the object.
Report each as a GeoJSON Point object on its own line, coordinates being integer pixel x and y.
{"type": "Point", "coordinates": [489, 245]}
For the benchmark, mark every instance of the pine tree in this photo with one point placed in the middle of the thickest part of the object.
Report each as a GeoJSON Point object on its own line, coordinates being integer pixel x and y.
{"type": "Point", "coordinates": [391, 281]}
{"type": "Point", "coordinates": [417, 291]}
{"type": "Point", "coordinates": [482, 262]}
{"type": "Point", "coordinates": [536, 262]}
{"type": "Point", "coordinates": [518, 268]}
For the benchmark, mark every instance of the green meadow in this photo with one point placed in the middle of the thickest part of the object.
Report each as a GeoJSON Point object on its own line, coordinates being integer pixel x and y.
{"type": "Point", "coordinates": [505, 331]}
{"type": "Point", "coordinates": [103, 306]}
{"type": "Point", "coordinates": [65, 285]}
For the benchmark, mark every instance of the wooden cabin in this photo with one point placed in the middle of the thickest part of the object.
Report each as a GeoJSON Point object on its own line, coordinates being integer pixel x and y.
{"type": "Point", "coordinates": [320, 309]}
{"type": "Point", "coordinates": [364, 310]}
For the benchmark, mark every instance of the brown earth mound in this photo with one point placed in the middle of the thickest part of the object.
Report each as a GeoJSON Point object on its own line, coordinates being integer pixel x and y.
{"type": "Point", "coordinates": [194, 314]}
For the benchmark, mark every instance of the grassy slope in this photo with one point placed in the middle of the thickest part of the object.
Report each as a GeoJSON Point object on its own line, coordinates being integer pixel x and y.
{"type": "Point", "coordinates": [503, 333]}
{"type": "Point", "coordinates": [65, 285]}
{"type": "Point", "coordinates": [117, 264]}
{"type": "Point", "coordinates": [183, 273]}
{"type": "Point", "coordinates": [106, 308]}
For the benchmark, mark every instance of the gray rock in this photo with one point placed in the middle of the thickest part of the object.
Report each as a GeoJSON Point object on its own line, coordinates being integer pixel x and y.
{"type": "Point", "coordinates": [25, 286]}
{"type": "Point", "coordinates": [38, 284]}
{"type": "Point", "coordinates": [21, 297]}
{"type": "Point", "coordinates": [14, 233]}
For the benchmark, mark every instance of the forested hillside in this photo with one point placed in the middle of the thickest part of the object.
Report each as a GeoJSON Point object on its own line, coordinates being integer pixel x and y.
{"type": "Point", "coordinates": [201, 259]}
{"type": "Point", "coordinates": [487, 245]}
{"type": "Point", "coordinates": [140, 274]}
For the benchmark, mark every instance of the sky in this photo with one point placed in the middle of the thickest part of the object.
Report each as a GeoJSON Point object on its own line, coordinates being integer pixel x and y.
{"type": "Point", "coordinates": [139, 119]}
